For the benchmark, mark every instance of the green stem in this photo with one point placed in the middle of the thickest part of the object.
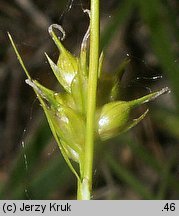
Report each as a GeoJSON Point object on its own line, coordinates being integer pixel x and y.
{"type": "Point", "coordinates": [85, 186]}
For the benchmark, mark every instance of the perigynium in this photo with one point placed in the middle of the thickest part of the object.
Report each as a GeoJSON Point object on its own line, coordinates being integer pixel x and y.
{"type": "Point", "coordinates": [66, 111]}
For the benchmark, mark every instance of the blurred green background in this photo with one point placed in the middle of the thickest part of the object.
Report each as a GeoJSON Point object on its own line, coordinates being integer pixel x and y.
{"type": "Point", "coordinates": [140, 164]}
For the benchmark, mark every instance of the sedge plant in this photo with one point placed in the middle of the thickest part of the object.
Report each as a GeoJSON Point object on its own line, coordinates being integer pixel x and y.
{"type": "Point", "coordinates": [76, 118]}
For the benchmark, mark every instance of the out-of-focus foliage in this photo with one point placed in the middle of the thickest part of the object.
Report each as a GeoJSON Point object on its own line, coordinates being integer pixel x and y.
{"type": "Point", "coordinates": [142, 164]}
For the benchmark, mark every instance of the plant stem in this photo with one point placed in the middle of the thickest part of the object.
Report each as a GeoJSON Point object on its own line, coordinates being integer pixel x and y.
{"type": "Point", "coordinates": [86, 185]}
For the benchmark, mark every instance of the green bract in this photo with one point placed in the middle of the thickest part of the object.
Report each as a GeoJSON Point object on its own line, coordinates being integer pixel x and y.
{"type": "Point", "coordinates": [66, 111]}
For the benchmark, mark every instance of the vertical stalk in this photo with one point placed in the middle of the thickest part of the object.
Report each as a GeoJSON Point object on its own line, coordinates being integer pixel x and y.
{"type": "Point", "coordinates": [86, 184]}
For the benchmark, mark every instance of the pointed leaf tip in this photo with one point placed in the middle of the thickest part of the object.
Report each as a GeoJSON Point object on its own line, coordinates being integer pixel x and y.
{"type": "Point", "coordinates": [165, 90]}
{"type": "Point", "coordinates": [149, 97]}
{"type": "Point", "coordinates": [63, 72]}
{"type": "Point", "coordinates": [18, 56]}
